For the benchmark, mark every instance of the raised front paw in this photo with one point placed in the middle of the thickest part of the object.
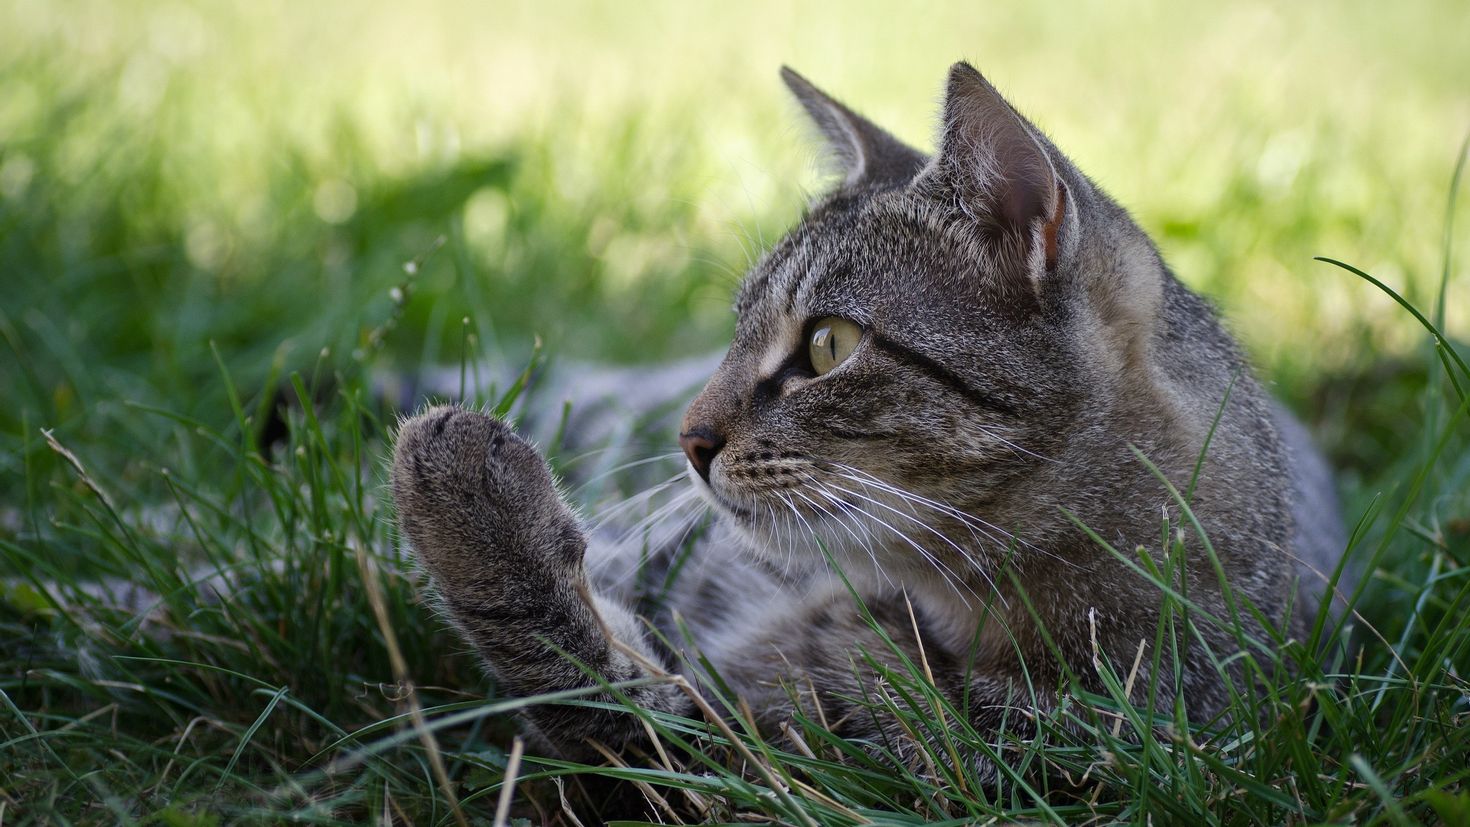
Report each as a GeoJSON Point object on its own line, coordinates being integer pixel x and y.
{"type": "Point", "coordinates": [478, 503]}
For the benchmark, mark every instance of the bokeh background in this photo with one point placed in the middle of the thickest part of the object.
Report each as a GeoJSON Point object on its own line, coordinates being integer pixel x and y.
{"type": "Point", "coordinates": [199, 198]}
{"type": "Point", "coordinates": [256, 173]}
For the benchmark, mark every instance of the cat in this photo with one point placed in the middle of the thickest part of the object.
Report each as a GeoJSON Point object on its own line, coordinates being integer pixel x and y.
{"type": "Point", "coordinates": [947, 369]}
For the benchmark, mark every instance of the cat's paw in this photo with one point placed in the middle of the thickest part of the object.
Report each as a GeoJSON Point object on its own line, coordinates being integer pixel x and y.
{"type": "Point", "coordinates": [475, 499]}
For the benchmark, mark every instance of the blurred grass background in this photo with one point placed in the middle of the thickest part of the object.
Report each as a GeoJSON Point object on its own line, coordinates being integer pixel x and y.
{"type": "Point", "coordinates": [256, 175]}
{"type": "Point", "coordinates": [174, 172]}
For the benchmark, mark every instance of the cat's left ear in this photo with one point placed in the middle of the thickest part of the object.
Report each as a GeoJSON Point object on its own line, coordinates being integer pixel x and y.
{"type": "Point", "coordinates": [864, 152]}
{"type": "Point", "coordinates": [993, 167]}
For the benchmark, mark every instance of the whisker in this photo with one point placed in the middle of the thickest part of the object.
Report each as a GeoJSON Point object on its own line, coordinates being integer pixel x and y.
{"type": "Point", "coordinates": [789, 565]}
{"type": "Point", "coordinates": [972, 524]}
{"type": "Point", "coordinates": [1011, 445]}
{"type": "Point", "coordinates": [610, 512]}
{"type": "Point", "coordinates": [818, 506]}
{"type": "Point", "coordinates": [865, 545]}
{"type": "Point", "coordinates": [964, 554]}
{"type": "Point", "coordinates": [972, 521]}
{"type": "Point", "coordinates": [656, 516]}
{"type": "Point", "coordinates": [795, 527]}
{"type": "Point", "coordinates": [652, 526]}
{"type": "Point", "coordinates": [811, 530]}
{"type": "Point", "coordinates": [944, 570]}
{"type": "Point", "coordinates": [688, 521]}
{"type": "Point", "coordinates": [624, 467]}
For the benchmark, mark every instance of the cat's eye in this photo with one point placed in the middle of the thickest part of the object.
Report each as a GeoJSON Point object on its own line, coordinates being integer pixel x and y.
{"type": "Point", "coordinates": [832, 341]}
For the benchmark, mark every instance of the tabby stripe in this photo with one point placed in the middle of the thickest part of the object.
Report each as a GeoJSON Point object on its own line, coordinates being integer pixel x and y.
{"type": "Point", "coordinates": [941, 373]}
{"type": "Point", "coordinates": [860, 435]}
{"type": "Point", "coordinates": [799, 282]}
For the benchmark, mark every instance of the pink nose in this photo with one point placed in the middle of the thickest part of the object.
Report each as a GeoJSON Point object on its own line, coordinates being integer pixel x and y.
{"type": "Point", "coordinates": [701, 445]}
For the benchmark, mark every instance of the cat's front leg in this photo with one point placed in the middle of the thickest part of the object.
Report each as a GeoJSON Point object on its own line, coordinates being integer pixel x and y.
{"type": "Point", "coordinates": [827, 658]}
{"type": "Point", "coordinates": [480, 509]}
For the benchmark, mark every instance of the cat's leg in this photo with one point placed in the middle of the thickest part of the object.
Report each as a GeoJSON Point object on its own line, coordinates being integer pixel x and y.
{"type": "Point", "coordinates": [505, 552]}
{"type": "Point", "coordinates": [823, 657]}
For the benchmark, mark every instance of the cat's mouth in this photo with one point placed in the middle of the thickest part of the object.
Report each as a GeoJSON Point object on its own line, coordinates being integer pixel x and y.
{"type": "Point", "coordinates": [721, 504]}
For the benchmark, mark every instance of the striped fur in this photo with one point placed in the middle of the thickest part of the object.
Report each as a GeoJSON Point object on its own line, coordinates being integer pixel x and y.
{"type": "Point", "coordinates": [1023, 339]}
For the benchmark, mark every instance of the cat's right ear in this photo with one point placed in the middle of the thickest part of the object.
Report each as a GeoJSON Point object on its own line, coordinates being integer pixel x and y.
{"type": "Point", "coordinates": [992, 167]}
{"type": "Point", "coordinates": [864, 152]}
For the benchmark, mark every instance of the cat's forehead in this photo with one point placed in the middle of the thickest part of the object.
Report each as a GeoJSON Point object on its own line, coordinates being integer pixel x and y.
{"type": "Point", "coordinates": [853, 258]}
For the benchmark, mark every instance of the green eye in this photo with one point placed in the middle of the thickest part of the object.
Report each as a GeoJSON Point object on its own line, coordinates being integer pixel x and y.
{"type": "Point", "coordinates": [833, 340]}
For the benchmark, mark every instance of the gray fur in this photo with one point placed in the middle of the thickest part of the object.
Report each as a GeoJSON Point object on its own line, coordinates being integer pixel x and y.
{"type": "Point", "coordinates": [1022, 336]}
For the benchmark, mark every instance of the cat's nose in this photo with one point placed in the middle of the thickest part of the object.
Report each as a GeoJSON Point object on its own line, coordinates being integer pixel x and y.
{"type": "Point", "coordinates": [701, 445]}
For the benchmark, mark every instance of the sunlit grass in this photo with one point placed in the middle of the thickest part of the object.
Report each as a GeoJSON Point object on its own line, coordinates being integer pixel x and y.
{"type": "Point", "coordinates": [1247, 139]}
{"type": "Point", "coordinates": [206, 209]}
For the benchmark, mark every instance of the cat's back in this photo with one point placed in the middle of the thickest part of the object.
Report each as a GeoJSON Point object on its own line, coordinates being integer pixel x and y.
{"type": "Point", "coordinates": [1271, 488]}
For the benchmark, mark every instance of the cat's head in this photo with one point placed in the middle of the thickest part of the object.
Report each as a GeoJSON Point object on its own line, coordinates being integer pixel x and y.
{"type": "Point", "coordinates": [933, 335]}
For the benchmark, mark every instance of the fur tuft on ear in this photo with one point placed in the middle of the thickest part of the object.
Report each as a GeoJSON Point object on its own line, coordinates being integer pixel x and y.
{"type": "Point", "coordinates": [991, 166]}
{"type": "Point", "coordinates": [865, 153]}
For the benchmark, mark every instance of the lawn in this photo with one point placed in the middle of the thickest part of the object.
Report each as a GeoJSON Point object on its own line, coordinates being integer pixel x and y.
{"type": "Point", "coordinates": [224, 226]}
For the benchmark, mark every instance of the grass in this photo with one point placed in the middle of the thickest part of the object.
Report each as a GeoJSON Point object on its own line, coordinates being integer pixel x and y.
{"type": "Point", "coordinates": [206, 210]}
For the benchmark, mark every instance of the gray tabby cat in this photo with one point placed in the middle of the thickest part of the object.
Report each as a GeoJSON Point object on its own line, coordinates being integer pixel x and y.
{"type": "Point", "coordinates": [934, 378]}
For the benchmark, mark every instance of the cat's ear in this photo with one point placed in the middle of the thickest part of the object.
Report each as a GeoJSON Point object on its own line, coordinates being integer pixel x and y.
{"type": "Point", "coordinates": [864, 152]}
{"type": "Point", "coordinates": [992, 167]}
